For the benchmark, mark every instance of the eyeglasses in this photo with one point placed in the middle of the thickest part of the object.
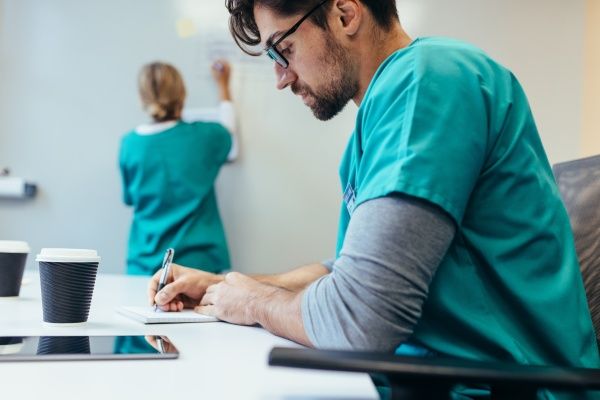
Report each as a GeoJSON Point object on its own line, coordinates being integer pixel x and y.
{"type": "Point", "coordinates": [272, 51]}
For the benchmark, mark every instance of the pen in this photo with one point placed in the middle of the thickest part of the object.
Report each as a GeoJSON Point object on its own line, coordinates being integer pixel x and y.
{"type": "Point", "coordinates": [166, 266]}
{"type": "Point", "coordinates": [218, 66]}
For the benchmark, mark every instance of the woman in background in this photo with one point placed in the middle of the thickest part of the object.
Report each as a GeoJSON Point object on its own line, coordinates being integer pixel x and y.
{"type": "Point", "coordinates": [169, 168]}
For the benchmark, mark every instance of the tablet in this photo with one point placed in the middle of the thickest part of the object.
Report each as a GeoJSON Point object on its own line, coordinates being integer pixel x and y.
{"type": "Point", "coordinates": [65, 348]}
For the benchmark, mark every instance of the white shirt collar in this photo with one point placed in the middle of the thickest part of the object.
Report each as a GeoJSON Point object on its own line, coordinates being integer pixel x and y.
{"type": "Point", "coordinates": [157, 127]}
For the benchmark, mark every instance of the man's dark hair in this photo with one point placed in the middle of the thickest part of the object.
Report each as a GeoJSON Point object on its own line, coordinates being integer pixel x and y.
{"type": "Point", "coordinates": [245, 31]}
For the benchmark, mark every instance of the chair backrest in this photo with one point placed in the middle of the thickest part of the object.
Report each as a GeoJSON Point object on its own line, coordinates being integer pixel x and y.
{"type": "Point", "coordinates": [579, 185]}
{"type": "Point", "coordinates": [433, 377]}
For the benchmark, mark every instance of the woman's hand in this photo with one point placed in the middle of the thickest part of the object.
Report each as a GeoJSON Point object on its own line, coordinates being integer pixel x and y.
{"type": "Point", "coordinates": [221, 71]}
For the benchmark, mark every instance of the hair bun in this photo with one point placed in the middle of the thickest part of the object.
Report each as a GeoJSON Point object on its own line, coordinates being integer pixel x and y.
{"type": "Point", "coordinates": [156, 111]}
{"type": "Point", "coordinates": [162, 91]}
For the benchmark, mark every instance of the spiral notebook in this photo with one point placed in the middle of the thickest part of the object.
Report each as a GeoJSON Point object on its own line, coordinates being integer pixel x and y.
{"type": "Point", "coordinates": [147, 315]}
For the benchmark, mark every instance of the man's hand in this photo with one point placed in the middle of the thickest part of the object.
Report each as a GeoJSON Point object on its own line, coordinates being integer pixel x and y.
{"type": "Point", "coordinates": [236, 299]}
{"type": "Point", "coordinates": [272, 302]}
{"type": "Point", "coordinates": [185, 288]}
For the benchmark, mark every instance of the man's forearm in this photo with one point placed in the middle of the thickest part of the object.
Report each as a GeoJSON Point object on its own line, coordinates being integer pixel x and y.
{"type": "Point", "coordinates": [295, 280]}
{"type": "Point", "coordinates": [280, 313]}
{"type": "Point", "coordinates": [273, 301]}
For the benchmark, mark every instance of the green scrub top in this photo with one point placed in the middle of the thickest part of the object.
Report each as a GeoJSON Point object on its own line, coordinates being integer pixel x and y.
{"type": "Point", "coordinates": [168, 178]}
{"type": "Point", "coordinates": [443, 122]}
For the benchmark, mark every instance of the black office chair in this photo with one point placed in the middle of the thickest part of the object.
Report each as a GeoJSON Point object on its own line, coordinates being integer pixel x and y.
{"type": "Point", "coordinates": [433, 378]}
{"type": "Point", "coordinates": [412, 378]}
{"type": "Point", "coordinates": [579, 184]}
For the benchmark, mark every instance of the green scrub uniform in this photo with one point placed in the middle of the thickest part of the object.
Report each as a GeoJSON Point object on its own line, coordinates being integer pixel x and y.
{"type": "Point", "coordinates": [168, 178]}
{"type": "Point", "coordinates": [441, 121]}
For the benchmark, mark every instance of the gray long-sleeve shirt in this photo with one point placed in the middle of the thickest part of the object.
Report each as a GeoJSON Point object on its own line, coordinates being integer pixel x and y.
{"type": "Point", "coordinates": [374, 295]}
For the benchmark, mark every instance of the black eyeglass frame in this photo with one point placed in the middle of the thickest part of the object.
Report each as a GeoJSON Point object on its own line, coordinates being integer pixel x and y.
{"type": "Point", "coordinates": [272, 51]}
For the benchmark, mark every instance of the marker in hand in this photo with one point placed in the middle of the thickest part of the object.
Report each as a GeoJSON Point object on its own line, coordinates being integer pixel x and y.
{"type": "Point", "coordinates": [218, 66]}
{"type": "Point", "coordinates": [166, 266]}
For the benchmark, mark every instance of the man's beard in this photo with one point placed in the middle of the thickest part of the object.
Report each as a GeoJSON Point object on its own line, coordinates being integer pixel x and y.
{"type": "Point", "coordinates": [338, 91]}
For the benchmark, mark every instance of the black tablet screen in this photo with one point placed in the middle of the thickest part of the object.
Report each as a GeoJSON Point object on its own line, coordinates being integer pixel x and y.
{"type": "Point", "coordinates": [57, 348]}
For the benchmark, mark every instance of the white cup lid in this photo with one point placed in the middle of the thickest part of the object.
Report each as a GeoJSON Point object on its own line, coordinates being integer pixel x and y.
{"type": "Point", "coordinates": [13, 246]}
{"type": "Point", "coordinates": [68, 255]}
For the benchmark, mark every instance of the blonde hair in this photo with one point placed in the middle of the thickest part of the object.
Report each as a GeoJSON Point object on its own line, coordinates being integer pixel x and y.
{"type": "Point", "coordinates": [162, 91]}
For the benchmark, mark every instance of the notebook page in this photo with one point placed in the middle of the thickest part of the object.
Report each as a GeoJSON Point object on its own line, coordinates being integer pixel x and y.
{"type": "Point", "coordinates": [147, 315]}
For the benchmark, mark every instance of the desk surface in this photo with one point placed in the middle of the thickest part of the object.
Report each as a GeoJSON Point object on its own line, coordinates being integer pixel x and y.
{"type": "Point", "coordinates": [217, 361]}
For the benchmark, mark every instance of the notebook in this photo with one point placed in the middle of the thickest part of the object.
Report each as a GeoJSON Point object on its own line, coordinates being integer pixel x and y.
{"type": "Point", "coordinates": [147, 315]}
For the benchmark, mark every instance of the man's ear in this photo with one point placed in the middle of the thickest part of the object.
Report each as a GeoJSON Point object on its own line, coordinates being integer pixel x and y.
{"type": "Point", "coordinates": [349, 15]}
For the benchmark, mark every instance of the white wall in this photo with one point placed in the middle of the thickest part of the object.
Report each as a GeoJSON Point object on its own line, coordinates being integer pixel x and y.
{"type": "Point", "coordinates": [591, 89]}
{"type": "Point", "coordinates": [67, 94]}
{"type": "Point", "coordinates": [540, 40]}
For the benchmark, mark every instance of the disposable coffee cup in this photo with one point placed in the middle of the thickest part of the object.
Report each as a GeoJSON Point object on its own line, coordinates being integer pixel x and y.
{"type": "Point", "coordinates": [10, 345]}
{"type": "Point", "coordinates": [64, 345]}
{"type": "Point", "coordinates": [67, 278]}
{"type": "Point", "coordinates": [13, 256]}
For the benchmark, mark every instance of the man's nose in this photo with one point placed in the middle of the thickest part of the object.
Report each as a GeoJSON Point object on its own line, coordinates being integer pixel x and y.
{"type": "Point", "coordinates": [285, 77]}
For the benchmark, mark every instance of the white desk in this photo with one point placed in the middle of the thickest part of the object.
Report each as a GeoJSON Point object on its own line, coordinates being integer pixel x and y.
{"type": "Point", "coordinates": [217, 360]}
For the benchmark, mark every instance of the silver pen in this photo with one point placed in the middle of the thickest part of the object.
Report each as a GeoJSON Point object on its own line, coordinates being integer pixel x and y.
{"type": "Point", "coordinates": [166, 266]}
